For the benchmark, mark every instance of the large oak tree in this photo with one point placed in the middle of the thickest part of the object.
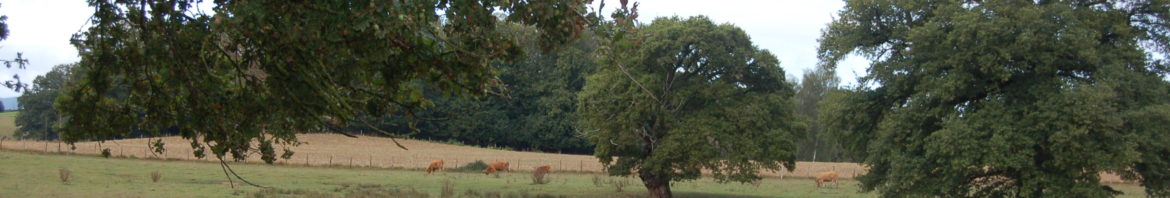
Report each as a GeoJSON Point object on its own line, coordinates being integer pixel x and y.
{"type": "Point", "coordinates": [255, 73]}
{"type": "Point", "coordinates": [688, 96]}
{"type": "Point", "coordinates": [1004, 98]}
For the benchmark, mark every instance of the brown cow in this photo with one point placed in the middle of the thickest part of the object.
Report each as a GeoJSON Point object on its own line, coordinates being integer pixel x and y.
{"type": "Point", "coordinates": [544, 169]}
{"type": "Point", "coordinates": [827, 176]}
{"type": "Point", "coordinates": [539, 173]}
{"type": "Point", "coordinates": [436, 165]}
{"type": "Point", "coordinates": [495, 167]}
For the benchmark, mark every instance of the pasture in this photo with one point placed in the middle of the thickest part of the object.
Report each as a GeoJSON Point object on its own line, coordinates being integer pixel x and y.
{"type": "Point", "coordinates": [331, 165]}
{"type": "Point", "coordinates": [338, 150]}
{"type": "Point", "coordinates": [37, 175]}
{"type": "Point", "coordinates": [8, 123]}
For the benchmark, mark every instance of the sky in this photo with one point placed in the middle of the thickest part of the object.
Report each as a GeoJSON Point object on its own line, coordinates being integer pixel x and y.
{"type": "Point", "coordinates": [40, 29]}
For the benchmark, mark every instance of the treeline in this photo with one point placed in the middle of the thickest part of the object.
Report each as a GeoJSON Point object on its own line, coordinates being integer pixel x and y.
{"type": "Point", "coordinates": [535, 109]}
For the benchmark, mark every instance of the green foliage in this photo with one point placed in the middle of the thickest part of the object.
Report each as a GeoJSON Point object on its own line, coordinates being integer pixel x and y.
{"type": "Point", "coordinates": [535, 108]}
{"type": "Point", "coordinates": [693, 96]}
{"type": "Point", "coordinates": [473, 167]}
{"type": "Point", "coordinates": [1003, 98]}
{"type": "Point", "coordinates": [258, 72]}
{"type": "Point", "coordinates": [39, 117]}
{"type": "Point", "coordinates": [814, 87]}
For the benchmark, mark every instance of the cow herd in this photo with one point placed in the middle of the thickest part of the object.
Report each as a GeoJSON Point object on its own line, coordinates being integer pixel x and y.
{"type": "Point", "coordinates": [495, 167]}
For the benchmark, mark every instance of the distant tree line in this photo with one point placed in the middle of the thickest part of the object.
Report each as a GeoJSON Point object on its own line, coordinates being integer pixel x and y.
{"type": "Point", "coordinates": [534, 110]}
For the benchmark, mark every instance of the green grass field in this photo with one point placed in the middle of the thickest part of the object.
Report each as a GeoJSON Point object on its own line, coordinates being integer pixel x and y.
{"type": "Point", "coordinates": [7, 123]}
{"type": "Point", "coordinates": [37, 175]}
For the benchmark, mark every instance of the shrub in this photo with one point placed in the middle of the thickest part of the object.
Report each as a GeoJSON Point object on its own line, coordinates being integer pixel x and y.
{"type": "Point", "coordinates": [448, 189]}
{"type": "Point", "coordinates": [476, 166]}
{"type": "Point", "coordinates": [618, 184]}
{"type": "Point", "coordinates": [155, 176]}
{"type": "Point", "coordinates": [64, 174]}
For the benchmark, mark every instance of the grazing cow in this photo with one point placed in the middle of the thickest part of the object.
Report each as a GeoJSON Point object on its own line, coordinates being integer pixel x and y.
{"type": "Point", "coordinates": [827, 176]}
{"type": "Point", "coordinates": [539, 173]}
{"type": "Point", "coordinates": [436, 165]}
{"type": "Point", "coordinates": [544, 169]}
{"type": "Point", "coordinates": [495, 168]}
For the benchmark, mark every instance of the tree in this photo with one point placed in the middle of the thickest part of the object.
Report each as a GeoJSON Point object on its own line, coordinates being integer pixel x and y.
{"type": "Point", "coordinates": [261, 71]}
{"type": "Point", "coordinates": [812, 89]}
{"type": "Point", "coordinates": [535, 109]}
{"type": "Point", "coordinates": [692, 96]}
{"type": "Point", "coordinates": [37, 119]}
{"type": "Point", "coordinates": [1004, 98]}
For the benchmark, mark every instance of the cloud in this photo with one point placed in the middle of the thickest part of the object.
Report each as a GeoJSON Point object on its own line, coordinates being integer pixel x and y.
{"type": "Point", "coordinates": [41, 30]}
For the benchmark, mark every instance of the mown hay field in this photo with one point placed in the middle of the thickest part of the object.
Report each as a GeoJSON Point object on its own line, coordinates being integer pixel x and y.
{"type": "Point", "coordinates": [366, 151]}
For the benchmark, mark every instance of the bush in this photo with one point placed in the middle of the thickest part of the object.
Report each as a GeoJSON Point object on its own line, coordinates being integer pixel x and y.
{"type": "Point", "coordinates": [64, 174]}
{"type": "Point", "coordinates": [476, 166]}
{"type": "Point", "coordinates": [448, 189]}
{"type": "Point", "coordinates": [155, 176]}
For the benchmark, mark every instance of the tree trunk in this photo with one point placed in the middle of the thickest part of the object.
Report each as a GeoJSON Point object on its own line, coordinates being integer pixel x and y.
{"type": "Point", "coordinates": [657, 185]}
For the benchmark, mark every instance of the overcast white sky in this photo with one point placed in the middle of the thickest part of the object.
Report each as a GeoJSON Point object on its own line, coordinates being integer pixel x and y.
{"type": "Point", "coordinates": [788, 28]}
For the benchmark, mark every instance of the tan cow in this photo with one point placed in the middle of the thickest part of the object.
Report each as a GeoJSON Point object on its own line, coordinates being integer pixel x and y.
{"type": "Point", "coordinates": [436, 165]}
{"type": "Point", "coordinates": [539, 173]}
{"type": "Point", "coordinates": [827, 176]}
{"type": "Point", "coordinates": [495, 168]}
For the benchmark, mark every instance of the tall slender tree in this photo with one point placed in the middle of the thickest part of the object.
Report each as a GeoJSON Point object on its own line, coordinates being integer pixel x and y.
{"type": "Point", "coordinates": [814, 86]}
{"type": "Point", "coordinates": [37, 119]}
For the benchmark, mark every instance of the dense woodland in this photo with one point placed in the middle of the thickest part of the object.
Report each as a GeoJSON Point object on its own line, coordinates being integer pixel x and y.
{"type": "Point", "coordinates": [962, 98]}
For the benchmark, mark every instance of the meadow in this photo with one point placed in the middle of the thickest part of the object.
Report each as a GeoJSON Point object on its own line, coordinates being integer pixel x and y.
{"type": "Point", "coordinates": [331, 165]}
{"type": "Point", "coordinates": [38, 175]}
{"type": "Point", "coordinates": [7, 123]}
